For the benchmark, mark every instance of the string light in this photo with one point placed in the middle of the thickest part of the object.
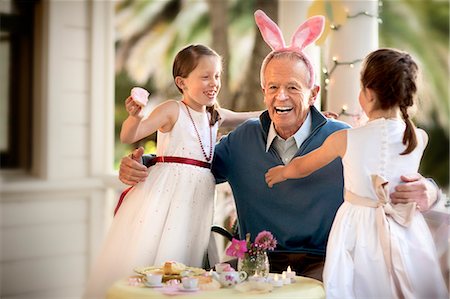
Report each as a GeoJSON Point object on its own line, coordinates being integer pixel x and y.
{"type": "Point", "coordinates": [327, 73]}
{"type": "Point", "coordinates": [334, 27]}
{"type": "Point", "coordinates": [360, 13]}
{"type": "Point", "coordinates": [351, 64]}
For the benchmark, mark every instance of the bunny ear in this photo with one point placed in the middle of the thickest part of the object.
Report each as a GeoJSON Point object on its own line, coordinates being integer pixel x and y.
{"type": "Point", "coordinates": [269, 31]}
{"type": "Point", "coordinates": [308, 32]}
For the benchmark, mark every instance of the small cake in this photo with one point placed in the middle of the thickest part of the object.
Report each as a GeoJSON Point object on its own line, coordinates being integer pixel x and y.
{"type": "Point", "coordinates": [140, 96]}
{"type": "Point", "coordinates": [203, 279]}
{"type": "Point", "coordinates": [173, 268]}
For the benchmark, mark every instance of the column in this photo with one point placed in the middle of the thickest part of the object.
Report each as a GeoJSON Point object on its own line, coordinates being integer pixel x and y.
{"type": "Point", "coordinates": [348, 44]}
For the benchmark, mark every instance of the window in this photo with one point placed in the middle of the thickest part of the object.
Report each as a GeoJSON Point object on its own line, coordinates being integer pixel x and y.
{"type": "Point", "coordinates": [16, 71]}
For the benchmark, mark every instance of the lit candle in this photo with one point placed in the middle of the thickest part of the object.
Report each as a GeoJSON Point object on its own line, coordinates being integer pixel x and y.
{"type": "Point", "coordinates": [289, 273]}
{"type": "Point", "coordinates": [286, 280]}
{"type": "Point", "coordinates": [276, 282]}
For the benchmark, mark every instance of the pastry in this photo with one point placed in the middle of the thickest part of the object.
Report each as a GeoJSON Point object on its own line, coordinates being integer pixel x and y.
{"type": "Point", "coordinates": [203, 279]}
{"type": "Point", "coordinates": [140, 96]}
{"type": "Point", "coordinates": [173, 268]}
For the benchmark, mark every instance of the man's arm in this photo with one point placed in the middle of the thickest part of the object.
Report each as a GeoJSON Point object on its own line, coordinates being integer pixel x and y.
{"type": "Point", "coordinates": [147, 159]}
{"type": "Point", "coordinates": [416, 188]}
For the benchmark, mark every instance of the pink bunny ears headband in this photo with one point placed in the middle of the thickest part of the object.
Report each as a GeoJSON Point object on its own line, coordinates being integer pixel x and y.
{"type": "Point", "coordinates": [306, 34]}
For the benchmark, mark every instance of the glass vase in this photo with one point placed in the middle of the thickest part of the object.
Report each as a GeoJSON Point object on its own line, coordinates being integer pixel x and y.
{"type": "Point", "coordinates": [255, 264]}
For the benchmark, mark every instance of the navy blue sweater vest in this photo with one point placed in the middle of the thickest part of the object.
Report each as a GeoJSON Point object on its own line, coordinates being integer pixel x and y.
{"type": "Point", "coordinates": [298, 212]}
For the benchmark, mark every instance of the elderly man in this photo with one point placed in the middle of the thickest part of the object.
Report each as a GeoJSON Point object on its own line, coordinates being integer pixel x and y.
{"type": "Point", "coordinates": [298, 212]}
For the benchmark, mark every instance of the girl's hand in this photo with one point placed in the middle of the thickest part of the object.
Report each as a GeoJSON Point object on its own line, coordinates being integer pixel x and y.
{"type": "Point", "coordinates": [133, 109]}
{"type": "Point", "coordinates": [275, 175]}
{"type": "Point", "coordinates": [330, 114]}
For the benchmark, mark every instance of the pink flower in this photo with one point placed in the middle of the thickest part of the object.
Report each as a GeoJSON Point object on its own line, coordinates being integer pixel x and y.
{"type": "Point", "coordinates": [237, 248]}
{"type": "Point", "coordinates": [228, 268]}
{"type": "Point", "coordinates": [265, 240]}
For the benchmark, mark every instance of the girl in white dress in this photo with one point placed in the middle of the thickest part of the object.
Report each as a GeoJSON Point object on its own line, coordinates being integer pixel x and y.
{"type": "Point", "coordinates": [168, 216]}
{"type": "Point", "coordinates": [376, 249]}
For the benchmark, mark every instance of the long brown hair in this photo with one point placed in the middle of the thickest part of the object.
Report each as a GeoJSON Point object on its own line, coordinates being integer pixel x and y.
{"type": "Point", "coordinates": [392, 75]}
{"type": "Point", "coordinates": [186, 61]}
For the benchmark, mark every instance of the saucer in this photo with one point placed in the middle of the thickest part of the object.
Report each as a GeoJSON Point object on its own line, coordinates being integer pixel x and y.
{"type": "Point", "coordinates": [183, 289]}
{"type": "Point", "coordinates": [159, 285]}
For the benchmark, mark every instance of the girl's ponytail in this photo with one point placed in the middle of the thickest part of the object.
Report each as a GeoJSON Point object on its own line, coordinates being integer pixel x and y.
{"type": "Point", "coordinates": [215, 117]}
{"type": "Point", "coordinates": [409, 137]}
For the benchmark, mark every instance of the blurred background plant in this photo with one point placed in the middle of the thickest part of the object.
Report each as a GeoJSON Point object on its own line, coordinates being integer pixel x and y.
{"type": "Point", "coordinates": [422, 28]}
{"type": "Point", "coordinates": [149, 33]}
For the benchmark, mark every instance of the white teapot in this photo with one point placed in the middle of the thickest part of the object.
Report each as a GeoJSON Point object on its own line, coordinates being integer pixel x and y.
{"type": "Point", "coordinates": [230, 278]}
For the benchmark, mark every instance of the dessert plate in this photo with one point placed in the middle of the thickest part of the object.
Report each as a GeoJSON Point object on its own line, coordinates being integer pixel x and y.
{"type": "Point", "coordinates": [160, 285]}
{"type": "Point", "coordinates": [183, 289]}
{"type": "Point", "coordinates": [189, 271]}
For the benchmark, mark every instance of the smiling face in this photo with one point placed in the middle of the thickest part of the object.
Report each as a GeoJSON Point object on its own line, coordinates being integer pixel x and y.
{"type": "Point", "coordinates": [201, 86]}
{"type": "Point", "coordinates": [286, 94]}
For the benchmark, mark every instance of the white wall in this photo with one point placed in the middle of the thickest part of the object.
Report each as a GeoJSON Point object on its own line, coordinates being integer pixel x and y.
{"type": "Point", "coordinates": [45, 242]}
{"type": "Point", "coordinates": [52, 219]}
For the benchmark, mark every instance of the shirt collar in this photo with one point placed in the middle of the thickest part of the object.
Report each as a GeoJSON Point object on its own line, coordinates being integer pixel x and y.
{"type": "Point", "coordinates": [299, 136]}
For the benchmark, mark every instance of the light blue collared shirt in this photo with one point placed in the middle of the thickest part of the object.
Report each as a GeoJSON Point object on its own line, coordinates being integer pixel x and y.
{"type": "Point", "coordinates": [287, 149]}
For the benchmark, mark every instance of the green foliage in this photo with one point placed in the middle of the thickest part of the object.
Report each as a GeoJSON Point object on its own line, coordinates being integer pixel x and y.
{"type": "Point", "coordinates": [242, 10]}
{"type": "Point", "coordinates": [435, 163]}
{"type": "Point", "coordinates": [199, 29]}
{"type": "Point", "coordinates": [150, 147]}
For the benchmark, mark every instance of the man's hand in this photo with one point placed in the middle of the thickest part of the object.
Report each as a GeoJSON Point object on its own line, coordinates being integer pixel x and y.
{"type": "Point", "coordinates": [132, 171]}
{"type": "Point", "coordinates": [417, 189]}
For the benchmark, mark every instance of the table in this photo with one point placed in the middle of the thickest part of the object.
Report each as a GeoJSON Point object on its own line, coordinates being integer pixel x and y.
{"type": "Point", "coordinates": [304, 287]}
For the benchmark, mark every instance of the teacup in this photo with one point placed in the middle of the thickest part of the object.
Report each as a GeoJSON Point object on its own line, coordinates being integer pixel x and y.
{"type": "Point", "coordinates": [228, 279]}
{"type": "Point", "coordinates": [189, 283]}
{"type": "Point", "coordinates": [154, 279]}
